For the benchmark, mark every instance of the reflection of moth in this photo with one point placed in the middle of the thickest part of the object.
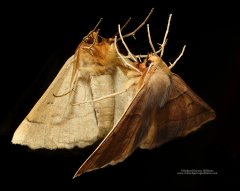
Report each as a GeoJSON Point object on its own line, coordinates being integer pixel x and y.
{"type": "Point", "coordinates": [101, 95]}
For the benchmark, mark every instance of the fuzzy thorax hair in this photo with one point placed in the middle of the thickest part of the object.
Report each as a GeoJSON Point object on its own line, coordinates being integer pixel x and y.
{"type": "Point", "coordinates": [96, 59]}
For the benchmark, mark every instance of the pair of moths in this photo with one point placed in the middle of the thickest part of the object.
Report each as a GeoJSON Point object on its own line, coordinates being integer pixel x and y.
{"type": "Point", "coordinates": [99, 94]}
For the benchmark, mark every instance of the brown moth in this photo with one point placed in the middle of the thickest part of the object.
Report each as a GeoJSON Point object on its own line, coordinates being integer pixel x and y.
{"type": "Point", "coordinates": [163, 108]}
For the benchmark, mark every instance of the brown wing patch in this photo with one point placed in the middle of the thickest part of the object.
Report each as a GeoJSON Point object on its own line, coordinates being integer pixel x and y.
{"type": "Point", "coordinates": [183, 113]}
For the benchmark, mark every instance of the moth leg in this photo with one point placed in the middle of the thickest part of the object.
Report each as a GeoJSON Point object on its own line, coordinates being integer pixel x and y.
{"type": "Point", "coordinates": [72, 86]}
{"type": "Point", "coordinates": [102, 98]}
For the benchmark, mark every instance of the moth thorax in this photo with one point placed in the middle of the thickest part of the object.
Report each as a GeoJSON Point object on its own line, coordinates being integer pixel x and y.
{"type": "Point", "coordinates": [164, 67]}
{"type": "Point", "coordinates": [103, 85]}
{"type": "Point", "coordinates": [159, 85]}
{"type": "Point", "coordinates": [95, 66]}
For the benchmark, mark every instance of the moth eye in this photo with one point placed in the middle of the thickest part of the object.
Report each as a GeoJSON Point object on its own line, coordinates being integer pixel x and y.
{"type": "Point", "coordinates": [89, 40]}
{"type": "Point", "coordinates": [148, 63]}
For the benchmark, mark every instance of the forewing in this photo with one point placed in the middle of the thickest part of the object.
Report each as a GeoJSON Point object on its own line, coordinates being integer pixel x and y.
{"type": "Point", "coordinates": [123, 139]}
{"type": "Point", "coordinates": [183, 113]}
{"type": "Point", "coordinates": [54, 122]}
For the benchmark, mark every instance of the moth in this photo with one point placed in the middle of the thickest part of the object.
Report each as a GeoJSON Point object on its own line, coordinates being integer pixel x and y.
{"type": "Point", "coordinates": [163, 108]}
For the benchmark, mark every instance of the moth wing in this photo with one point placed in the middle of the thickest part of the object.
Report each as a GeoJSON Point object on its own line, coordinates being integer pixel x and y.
{"type": "Point", "coordinates": [123, 139]}
{"type": "Point", "coordinates": [183, 113]}
{"type": "Point", "coordinates": [53, 122]}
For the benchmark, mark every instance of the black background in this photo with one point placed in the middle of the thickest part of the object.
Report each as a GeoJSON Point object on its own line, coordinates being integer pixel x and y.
{"type": "Point", "coordinates": [36, 40]}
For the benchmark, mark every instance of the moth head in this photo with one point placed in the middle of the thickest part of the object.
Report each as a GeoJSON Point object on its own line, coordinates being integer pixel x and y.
{"type": "Point", "coordinates": [94, 38]}
{"type": "Point", "coordinates": [97, 48]}
{"type": "Point", "coordinates": [153, 61]}
{"type": "Point", "coordinates": [91, 38]}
